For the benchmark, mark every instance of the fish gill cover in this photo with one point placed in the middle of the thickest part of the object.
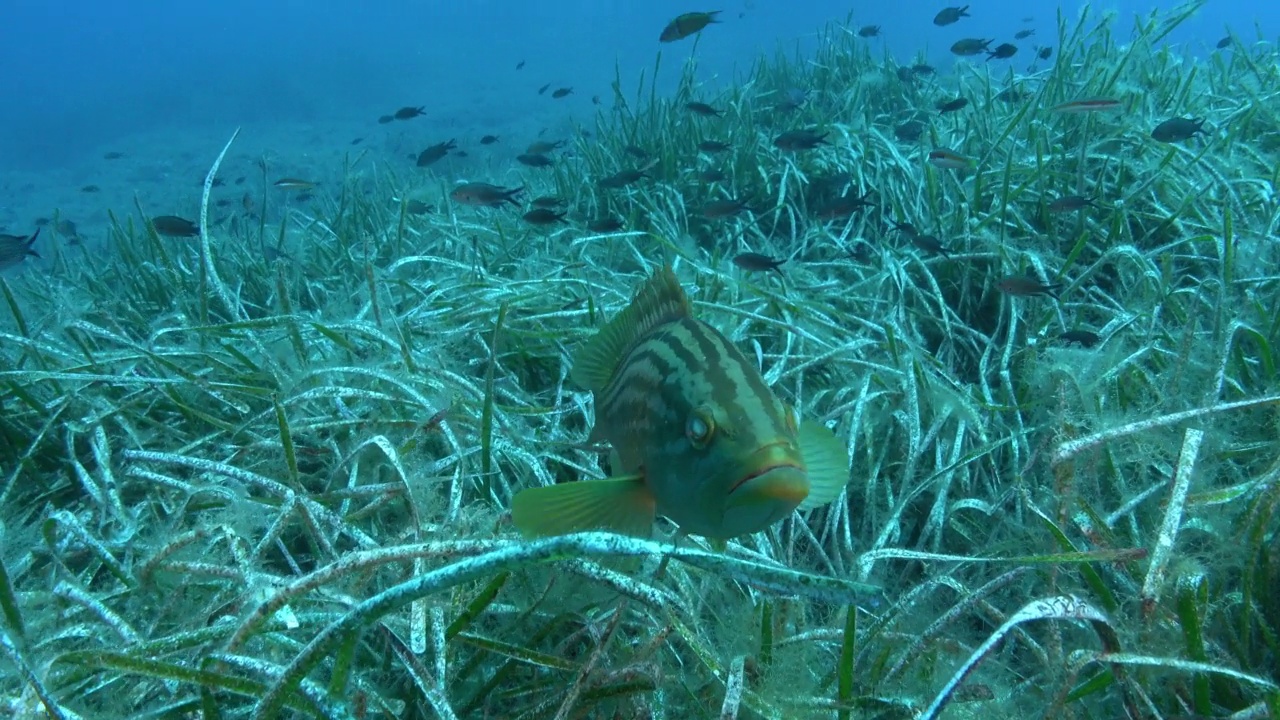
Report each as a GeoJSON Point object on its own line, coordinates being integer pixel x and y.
{"type": "Point", "coordinates": [255, 469]}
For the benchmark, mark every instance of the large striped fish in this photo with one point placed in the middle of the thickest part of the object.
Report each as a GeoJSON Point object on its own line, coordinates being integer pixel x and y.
{"type": "Point", "coordinates": [697, 435]}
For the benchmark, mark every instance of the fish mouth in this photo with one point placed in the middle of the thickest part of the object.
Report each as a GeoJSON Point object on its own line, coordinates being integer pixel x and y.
{"type": "Point", "coordinates": [776, 473]}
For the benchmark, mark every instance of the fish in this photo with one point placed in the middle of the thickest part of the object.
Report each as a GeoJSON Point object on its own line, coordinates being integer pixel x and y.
{"type": "Point", "coordinates": [488, 139]}
{"type": "Point", "coordinates": [434, 153]}
{"type": "Point", "coordinates": [174, 226]}
{"type": "Point", "coordinates": [621, 179]}
{"type": "Point", "coordinates": [1067, 203]}
{"type": "Point", "coordinates": [409, 112]}
{"type": "Point", "coordinates": [929, 243]}
{"type": "Point", "coordinates": [543, 216]}
{"type": "Point", "coordinates": [1026, 286]}
{"type": "Point", "coordinates": [16, 248]}
{"type": "Point", "coordinates": [357, 141]}
{"type": "Point", "coordinates": [1178, 129]}
{"type": "Point", "coordinates": [1087, 105]}
{"type": "Point", "coordinates": [795, 140]}
{"type": "Point", "coordinates": [385, 119]}
{"type": "Point", "coordinates": [757, 262]}
{"type": "Point", "coordinates": [561, 92]}
{"type": "Point", "coordinates": [113, 155]}
{"type": "Point", "coordinates": [290, 183]}
{"type": "Point", "coordinates": [701, 108]}
{"type": "Point", "coordinates": [714, 146]}
{"type": "Point", "coordinates": [697, 435]}
{"type": "Point", "coordinates": [1003, 51]}
{"type": "Point", "coordinates": [1023, 34]}
{"type": "Point", "coordinates": [689, 23]}
{"type": "Point", "coordinates": [482, 194]}
{"type": "Point", "coordinates": [949, 159]}
{"type": "Point", "coordinates": [417, 207]}
{"type": "Point", "coordinates": [950, 15]}
{"type": "Point", "coordinates": [909, 131]}
{"type": "Point", "coordinates": [548, 201]}
{"type": "Point", "coordinates": [845, 206]}
{"type": "Point", "coordinates": [542, 147]}
{"type": "Point", "coordinates": [534, 160]}
{"type": "Point", "coordinates": [90, 189]}
{"type": "Point", "coordinates": [1083, 338]}
{"type": "Point", "coordinates": [711, 175]}
{"type": "Point", "coordinates": [970, 46]}
{"type": "Point", "coordinates": [604, 224]}
{"type": "Point", "coordinates": [952, 105]}
{"type": "Point", "coordinates": [543, 90]}
{"type": "Point", "coordinates": [1044, 53]}
{"type": "Point", "coordinates": [1224, 43]}
{"type": "Point", "coordinates": [520, 65]}
{"type": "Point", "coordinates": [869, 31]}
{"type": "Point", "coordinates": [717, 209]}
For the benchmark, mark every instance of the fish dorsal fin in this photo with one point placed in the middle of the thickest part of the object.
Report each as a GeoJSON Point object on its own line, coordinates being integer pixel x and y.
{"type": "Point", "coordinates": [661, 300]}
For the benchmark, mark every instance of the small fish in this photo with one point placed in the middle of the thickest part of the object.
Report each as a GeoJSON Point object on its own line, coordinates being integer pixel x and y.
{"type": "Point", "coordinates": [717, 209]}
{"type": "Point", "coordinates": [909, 131]}
{"type": "Point", "coordinates": [488, 139]}
{"type": "Point", "coordinates": [357, 141]}
{"type": "Point", "coordinates": [417, 207]}
{"type": "Point", "coordinates": [1087, 105]}
{"type": "Point", "coordinates": [534, 160]}
{"type": "Point", "coordinates": [1023, 34]}
{"type": "Point", "coordinates": [1044, 53]}
{"type": "Point", "coordinates": [638, 153]}
{"type": "Point", "coordinates": [697, 434]}
{"type": "Point", "coordinates": [687, 24]}
{"type": "Point", "coordinates": [409, 113]}
{"type": "Point", "coordinates": [755, 262]}
{"type": "Point", "coordinates": [1026, 286]}
{"type": "Point", "coordinates": [542, 147]}
{"type": "Point", "coordinates": [970, 46]}
{"type": "Point", "coordinates": [1067, 203]}
{"type": "Point", "coordinates": [16, 248]}
{"type": "Point", "coordinates": [1012, 94]}
{"type": "Point", "coordinates": [951, 106]}
{"type": "Point", "coordinates": [174, 226]}
{"type": "Point", "coordinates": [485, 195]}
{"type": "Point", "coordinates": [1084, 338]}
{"type": "Point", "coordinates": [1224, 43]}
{"type": "Point", "coordinates": [595, 99]}
{"type": "Point", "coordinates": [543, 216]}
{"type": "Point", "coordinates": [548, 201]}
{"type": "Point", "coordinates": [714, 146]}
{"type": "Point", "coordinates": [604, 225]}
{"type": "Point", "coordinates": [543, 90]}
{"type": "Point", "coordinates": [290, 183]}
{"type": "Point", "coordinates": [561, 92]}
{"type": "Point", "coordinates": [1003, 51]}
{"type": "Point", "coordinates": [386, 119]}
{"type": "Point", "coordinates": [622, 179]}
{"type": "Point", "coordinates": [950, 15]}
{"type": "Point", "coordinates": [869, 31]}
{"type": "Point", "coordinates": [711, 175]}
{"type": "Point", "coordinates": [113, 155]}
{"type": "Point", "coordinates": [1178, 129]}
{"type": "Point", "coordinates": [922, 69]}
{"type": "Point", "coordinates": [950, 159]}
{"type": "Point", "coordinates": [929, 243]}
{"type": "Point", "coordinates": [701, 108]}
{"type": "Point", "coordinates": [434, 153]}
{"type": "Point", "coordinates": [90, 189]}
{"type": "Point", "coordinates": [796, 140]}
{"type": "Point", "coordinates": [845, 206]}
{"type": "Point", "coordinates": [520, 65]}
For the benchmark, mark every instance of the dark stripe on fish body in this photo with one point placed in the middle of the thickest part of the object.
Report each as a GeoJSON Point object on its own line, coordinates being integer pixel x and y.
{"type": "Point", "coordinates": [737, 385]}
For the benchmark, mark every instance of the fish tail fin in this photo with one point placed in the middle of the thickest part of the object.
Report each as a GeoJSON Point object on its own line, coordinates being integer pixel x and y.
{"type": "Point", "coordinates": [622, 505]}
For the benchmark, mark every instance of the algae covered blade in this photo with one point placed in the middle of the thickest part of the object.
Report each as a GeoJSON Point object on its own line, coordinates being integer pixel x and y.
{"type": "Point", "coordinates": [697, 435]}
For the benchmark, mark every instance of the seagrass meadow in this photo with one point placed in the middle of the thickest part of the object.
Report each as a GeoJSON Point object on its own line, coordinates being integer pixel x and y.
{"type": "Point", "coordinates": [265, 473]}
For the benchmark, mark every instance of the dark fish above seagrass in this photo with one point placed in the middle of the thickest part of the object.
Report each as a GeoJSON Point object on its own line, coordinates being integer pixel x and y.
{"type": "Point", "coordinates": [485, 195]}
{"type": "Point", "coordinates": [756, 262]}
{"type": "Point", "coordinates": [697, 435]}
{"type": "Point", "coordinates": [174, 226]}
{"type": "Point", "coordinates": [1026, 286]}
{"type": "Point", "coordinates": [1178, 129]}
{"type": "Point", "coordinates": [16, 248]}
{"type": "Point", "coordinates": [686, 25]}
{"type": "Point", "coordinates": [434, 153]}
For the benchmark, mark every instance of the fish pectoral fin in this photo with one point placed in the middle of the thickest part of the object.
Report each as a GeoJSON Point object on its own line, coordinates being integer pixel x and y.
{"type": "Point", "coordinates": [827, 459]}
{"type": "Point", "coordinates": [620, 504]}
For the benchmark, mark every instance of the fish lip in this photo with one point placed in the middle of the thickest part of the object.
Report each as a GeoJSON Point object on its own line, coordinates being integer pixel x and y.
{"type": "Point", "coordinates": [769, 453]}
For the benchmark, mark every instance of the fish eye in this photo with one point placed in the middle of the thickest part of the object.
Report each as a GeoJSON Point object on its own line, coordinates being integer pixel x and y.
{"type": "Point", "coordinates": [699, 428]}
